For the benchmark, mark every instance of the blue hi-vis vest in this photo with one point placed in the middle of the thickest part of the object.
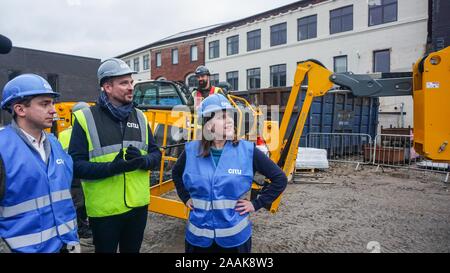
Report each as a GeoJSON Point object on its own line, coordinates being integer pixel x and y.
{"type": "Point", "coordinates": [215, 192]}
{"type": "Point", "coordinates": [37, 213]}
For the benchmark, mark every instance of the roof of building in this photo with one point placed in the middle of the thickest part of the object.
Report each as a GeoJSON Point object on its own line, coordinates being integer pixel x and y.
{"type": "Point", "coordinates": [198, 32]}
{"type": "Point", "coordinates": [54, 53]}
{"type": "Point", "coordinates": [184, 35]}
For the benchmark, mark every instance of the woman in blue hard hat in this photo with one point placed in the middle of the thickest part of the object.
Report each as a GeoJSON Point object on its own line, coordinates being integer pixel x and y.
{"type": "Point", "coordinates": [36, 208]}
{"type": "Point", "coordinates": [213, 175]}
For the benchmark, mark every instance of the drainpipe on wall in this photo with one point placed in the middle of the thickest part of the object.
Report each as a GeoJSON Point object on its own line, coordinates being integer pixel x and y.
{"type": "Point", "coordinates": [402, 116]}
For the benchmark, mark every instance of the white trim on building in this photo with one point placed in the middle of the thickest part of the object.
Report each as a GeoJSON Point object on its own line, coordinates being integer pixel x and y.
{"type": "Point", "coordinates": [143, 74]}
{"type": "Point", "coordinates": [405, 39]}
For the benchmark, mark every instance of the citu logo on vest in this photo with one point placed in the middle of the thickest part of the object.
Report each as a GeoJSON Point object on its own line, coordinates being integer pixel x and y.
{"type": "Point", "coordinates": [234, 171]}
{"type": "Point", "coordinates": [132, 125]}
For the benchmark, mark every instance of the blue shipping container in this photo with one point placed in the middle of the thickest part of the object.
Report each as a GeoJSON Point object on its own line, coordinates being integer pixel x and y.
{"type": "Point", "coordinates": [332, 113]}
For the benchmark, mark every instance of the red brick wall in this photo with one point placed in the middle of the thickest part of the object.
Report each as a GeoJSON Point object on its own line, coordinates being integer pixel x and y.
{"type": "Point", "coordinates": [177, 72]}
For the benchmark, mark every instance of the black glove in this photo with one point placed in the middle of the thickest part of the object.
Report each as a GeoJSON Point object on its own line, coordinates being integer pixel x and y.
{"type": "Point", "coordinates": [134, 154]}
{"type": "Point", "coordinates": [119, 165]}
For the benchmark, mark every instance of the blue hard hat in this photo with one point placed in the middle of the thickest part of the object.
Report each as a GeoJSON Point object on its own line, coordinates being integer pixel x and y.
{"type": "Point", "coordinates": [214, 103]}
{"type": "Point", "coordinates": [24, 86]}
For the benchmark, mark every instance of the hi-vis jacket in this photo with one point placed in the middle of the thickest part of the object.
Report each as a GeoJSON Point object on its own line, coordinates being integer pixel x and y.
{"type": "Point", "coordinates": [198, 98]}
{"type": "Point", "coordinates": [215, 191]}
{"type": "Point", "coordinates": [37, 213]}
{"type": "Point", "coordinates": [120, 193]}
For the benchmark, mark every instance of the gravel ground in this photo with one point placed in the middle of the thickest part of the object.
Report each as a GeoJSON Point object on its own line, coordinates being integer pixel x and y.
{"type": "Point", "coordinates": [349, 211]}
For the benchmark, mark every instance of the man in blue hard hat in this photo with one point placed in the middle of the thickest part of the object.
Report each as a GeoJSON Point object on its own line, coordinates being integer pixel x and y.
{"type": "Point", "coordinates": [36, 209]}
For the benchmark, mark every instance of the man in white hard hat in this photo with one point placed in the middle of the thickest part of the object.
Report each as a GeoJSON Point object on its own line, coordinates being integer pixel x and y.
{"type": "Point", "coordinates": [113, 149]}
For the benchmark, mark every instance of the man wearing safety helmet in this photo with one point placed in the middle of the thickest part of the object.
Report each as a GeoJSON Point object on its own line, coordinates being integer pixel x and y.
{"type": "Point", "coordinates": [204, 86]}
{"type": "Point", "coordinates": [36, 209]}
{"type": "Point", "coordinates": [113, 149]}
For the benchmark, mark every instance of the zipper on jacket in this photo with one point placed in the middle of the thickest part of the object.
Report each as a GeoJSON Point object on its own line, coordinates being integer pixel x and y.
{"type": "Point", "coordinates": [211, 196]}
{"type": "Point", "coordinates": [122, 129]}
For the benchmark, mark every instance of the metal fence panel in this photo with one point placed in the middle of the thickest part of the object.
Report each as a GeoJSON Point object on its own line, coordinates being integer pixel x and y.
{"type": "Point", "coordinates": [397, 151]}
{"type": "Point", "coordinates": [343, 147]}
{"type": "Point", "coordinates": [386, 150]}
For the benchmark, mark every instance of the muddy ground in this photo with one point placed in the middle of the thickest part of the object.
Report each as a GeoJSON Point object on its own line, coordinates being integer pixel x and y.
{"type": "Point", "coordinates": [350, 211]}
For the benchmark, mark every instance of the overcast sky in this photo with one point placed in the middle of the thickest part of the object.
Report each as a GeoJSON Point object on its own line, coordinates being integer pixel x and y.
{"type": "Point", "coordinates": [106, 28]}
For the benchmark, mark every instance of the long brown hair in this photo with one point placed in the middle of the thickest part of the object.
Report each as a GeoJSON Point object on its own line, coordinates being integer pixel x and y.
{"type": "Point", "coordinates": [205, 145]}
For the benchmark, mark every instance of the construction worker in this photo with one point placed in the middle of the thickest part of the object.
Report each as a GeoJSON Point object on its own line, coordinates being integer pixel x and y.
{"type": "Point", "coordinates": [36, 210]}
{"type": "Point", "coordinates": [204, 86]}
{"type": "Point", "coordinates": [64, 136]}
{"type": "Point", "coordinates": [76, 190]}
{"type": "Point", "coordinates": [213, 175]}
{"type": "Point", "coordinates": [113, 148]}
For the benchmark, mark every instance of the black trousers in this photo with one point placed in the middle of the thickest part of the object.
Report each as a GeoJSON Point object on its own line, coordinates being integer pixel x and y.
{"type": "Point", "coordinates": [125, 231]}
{"type": "Point", "coordinates": [215, 248]}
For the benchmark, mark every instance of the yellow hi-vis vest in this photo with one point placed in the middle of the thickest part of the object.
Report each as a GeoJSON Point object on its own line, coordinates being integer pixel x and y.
{"type": "Point", "coordinates": [122, 192]}
{"type": "Point", "coordinates": [64, 138]}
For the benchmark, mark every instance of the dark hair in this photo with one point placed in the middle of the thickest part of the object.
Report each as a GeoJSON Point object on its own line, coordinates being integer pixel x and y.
{"type": "Point", "coordinates": [205, 145]}
{"type": "Point", "coordinates": [109, 80]}
{"type": "Point", "coordinates": [25, 101]}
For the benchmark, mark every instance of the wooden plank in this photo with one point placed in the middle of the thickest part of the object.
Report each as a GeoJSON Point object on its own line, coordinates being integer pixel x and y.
{"type": "Point", "coordinates": [297, 171]}
{"type": "Point", "coordinates": [313, 182]}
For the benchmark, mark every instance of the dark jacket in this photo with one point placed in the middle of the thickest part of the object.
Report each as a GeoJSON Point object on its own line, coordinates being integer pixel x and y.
{"type": "Point", "coordinates": [83, 169]}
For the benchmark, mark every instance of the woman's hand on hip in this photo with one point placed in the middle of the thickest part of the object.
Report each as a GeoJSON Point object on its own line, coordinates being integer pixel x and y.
{"type": "Point", "coordinates": [190, 204]}
{"type": "Point", "coordinates": [244, 206]}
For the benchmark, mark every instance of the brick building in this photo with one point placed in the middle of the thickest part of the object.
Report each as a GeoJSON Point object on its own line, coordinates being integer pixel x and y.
{"type": "Point", "coordinates": [178, 61]}
{"type": "Point", "coordinates": [173, 58]}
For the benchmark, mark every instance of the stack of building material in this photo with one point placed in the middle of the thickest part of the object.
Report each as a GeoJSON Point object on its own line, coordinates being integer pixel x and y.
{"type": "Point", "coordinates": [311, 158]}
